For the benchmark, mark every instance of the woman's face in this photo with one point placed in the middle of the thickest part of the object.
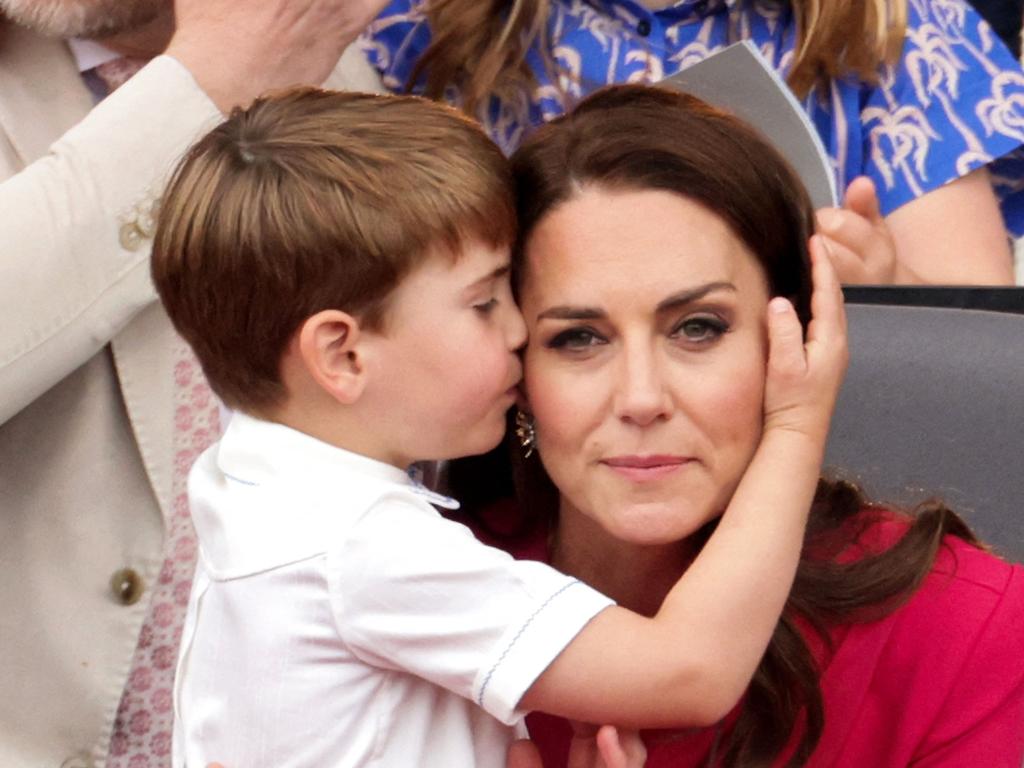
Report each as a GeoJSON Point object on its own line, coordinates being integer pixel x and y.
{"type": "Point", "coordinates": [646, 360]}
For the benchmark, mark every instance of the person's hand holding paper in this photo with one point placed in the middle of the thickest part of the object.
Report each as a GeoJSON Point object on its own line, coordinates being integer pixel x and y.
{"type": "Point", "coordinates": [859, 241]}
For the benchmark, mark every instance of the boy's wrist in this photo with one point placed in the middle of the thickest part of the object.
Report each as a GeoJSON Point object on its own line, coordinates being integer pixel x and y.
{"type": "Point", "coordinates": [794, 444]}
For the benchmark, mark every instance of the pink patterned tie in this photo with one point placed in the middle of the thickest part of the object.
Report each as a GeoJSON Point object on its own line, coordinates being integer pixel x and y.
{"type": "Point", "coordinates": [117, 72]}
{"type": "Point", "coordinates": [142, 728]}
{"type": "Point", "coordinates": [141, 736]}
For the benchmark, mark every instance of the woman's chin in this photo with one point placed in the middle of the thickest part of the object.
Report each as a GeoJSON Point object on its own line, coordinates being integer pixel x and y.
{"type": "Point", "coordinates": [655, 524]}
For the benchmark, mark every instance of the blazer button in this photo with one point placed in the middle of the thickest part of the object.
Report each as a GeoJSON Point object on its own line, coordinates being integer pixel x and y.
{"type": "Point", "coordinates": [130, 236]}
{"type": "Point", "coordinates": [126, 586]}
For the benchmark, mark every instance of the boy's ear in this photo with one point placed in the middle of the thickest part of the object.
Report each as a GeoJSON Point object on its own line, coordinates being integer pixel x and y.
{"type": "Point", "coordinates": [329, 346]}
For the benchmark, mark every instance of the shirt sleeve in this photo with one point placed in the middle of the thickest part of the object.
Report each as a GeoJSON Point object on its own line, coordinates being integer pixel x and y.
{"type": "Point", "coordinates": [414, 592]}
{"type": "Point", "coordinates": [952, 103]}
{"type": "Point", "coordinates": [76, 225]}
{"type": "Point", "coordinates": [394, 42]}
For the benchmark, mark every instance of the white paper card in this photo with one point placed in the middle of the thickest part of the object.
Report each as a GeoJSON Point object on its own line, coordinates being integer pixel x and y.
{"type": "Point", "coordinates": [740, 80]}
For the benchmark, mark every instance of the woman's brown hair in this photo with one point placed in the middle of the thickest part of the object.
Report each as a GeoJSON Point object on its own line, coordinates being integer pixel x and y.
{"type": "Point", "coordinates": [480, 46]}
{"type": "Point", "coordinates": [641, 138]}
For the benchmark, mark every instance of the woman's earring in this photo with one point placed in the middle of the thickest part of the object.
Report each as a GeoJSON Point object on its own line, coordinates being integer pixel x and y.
{"type": "Point", "coordinates": [526, 432]}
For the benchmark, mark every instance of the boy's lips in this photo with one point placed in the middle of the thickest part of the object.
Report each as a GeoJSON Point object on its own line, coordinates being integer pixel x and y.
{"type": "Point", "coordinates": [516, 383]}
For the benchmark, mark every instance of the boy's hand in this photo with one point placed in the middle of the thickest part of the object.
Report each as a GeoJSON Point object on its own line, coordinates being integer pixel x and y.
{"type": "Point", "coordinates": [860, 245]}
{"type": "Point", "coordinates": [804, 377]}
{"type": "Point", "coordinates": [605, 747]}
{"type": "Point", "coordinates": [592, 747]}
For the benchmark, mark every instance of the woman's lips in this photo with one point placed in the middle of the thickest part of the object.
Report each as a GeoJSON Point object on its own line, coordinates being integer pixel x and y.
{"type": "Point", "coordinates": [642, 468]}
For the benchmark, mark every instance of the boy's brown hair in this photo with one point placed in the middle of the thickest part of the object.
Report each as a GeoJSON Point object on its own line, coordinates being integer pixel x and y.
{"type": "Point", "coordinates": [311, 200]}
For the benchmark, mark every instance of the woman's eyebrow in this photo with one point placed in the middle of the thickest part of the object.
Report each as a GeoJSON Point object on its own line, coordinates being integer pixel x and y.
{"type": "Point", "coordinates": [692, 294]}
{"type": "Point", "coordinates": [572, 313]}
{"type": "Point", "coordinates": [686, 296]}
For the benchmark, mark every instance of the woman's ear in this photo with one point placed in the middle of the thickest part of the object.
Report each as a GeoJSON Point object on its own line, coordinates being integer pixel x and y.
{"type": "Point", "coordinates": [330, 348]}
{"type": "Point", "coordinates": [522, 401]}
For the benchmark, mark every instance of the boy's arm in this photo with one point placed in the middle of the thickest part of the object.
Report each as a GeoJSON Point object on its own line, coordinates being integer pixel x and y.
{"type": "Point", "coordinates": [691, 662]}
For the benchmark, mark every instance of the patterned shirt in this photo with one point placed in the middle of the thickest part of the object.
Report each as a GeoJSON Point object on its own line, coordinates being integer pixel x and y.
{"type": "Point", "coordinates": [952, 103]}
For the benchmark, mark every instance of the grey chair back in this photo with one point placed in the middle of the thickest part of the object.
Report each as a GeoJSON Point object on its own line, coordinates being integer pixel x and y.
{"type": "Point", "coordinates": [933, 405]}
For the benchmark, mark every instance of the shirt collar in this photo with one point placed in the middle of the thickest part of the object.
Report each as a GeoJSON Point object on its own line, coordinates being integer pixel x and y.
{"type": "Point", "coordinates": [267, 495]}
{"type": "Point", "coordinates": [680, 9]}
{"type": "Point", "coordinates": [89, 54]}
{"type": "Point", "coordinates": [260, 451]}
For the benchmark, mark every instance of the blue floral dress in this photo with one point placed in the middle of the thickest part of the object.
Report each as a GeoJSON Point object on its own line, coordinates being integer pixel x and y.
{"type": "Point", "coordinates": [952, 103]}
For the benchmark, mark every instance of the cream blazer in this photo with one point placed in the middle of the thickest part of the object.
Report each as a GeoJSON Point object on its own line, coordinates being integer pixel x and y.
{"type": "Point", "coordinates": [86, 409]}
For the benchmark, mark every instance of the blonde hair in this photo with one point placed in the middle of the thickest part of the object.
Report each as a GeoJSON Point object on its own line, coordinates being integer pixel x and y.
{"type": "Point", "coordinates": [313, 200]}
{"type": "Point", "coordinates": [842, 37]}
{"type": "Point", "coordinates": [481, 45]}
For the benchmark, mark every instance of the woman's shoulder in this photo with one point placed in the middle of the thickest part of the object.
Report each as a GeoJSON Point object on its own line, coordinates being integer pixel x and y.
{"type": "Point", "coordinates": [969, 577]}
{"type": "Point", "coordinates": [942, 674]}
{"type": "Point", "coordinates": [970, 606]}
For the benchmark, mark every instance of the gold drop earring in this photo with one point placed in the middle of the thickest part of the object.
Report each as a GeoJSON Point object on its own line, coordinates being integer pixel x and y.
{"type": "Point", "coordinates": [526, 431]}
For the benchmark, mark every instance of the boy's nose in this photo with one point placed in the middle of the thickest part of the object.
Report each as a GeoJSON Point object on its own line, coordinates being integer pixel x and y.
{"type": "Point", "coordinates": [515, 328]}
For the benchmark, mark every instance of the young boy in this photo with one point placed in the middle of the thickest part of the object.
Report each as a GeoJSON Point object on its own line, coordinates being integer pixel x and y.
{"type": "Point", "coordinates": [339, 263]}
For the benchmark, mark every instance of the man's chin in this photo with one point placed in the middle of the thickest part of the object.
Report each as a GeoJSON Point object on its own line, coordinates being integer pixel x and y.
{"type": "Point", "coordinates": [90, 19]}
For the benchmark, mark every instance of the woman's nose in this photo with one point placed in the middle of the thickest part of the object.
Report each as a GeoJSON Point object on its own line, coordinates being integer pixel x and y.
{"type": "Point", "coordinates": [642, 396]}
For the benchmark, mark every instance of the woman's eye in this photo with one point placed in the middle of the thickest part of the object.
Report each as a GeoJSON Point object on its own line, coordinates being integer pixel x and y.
{"type": "Point", "coordinates": [575, 338]}
{"type": "Point", "coordinates": [700, 329]}
{"type": "Point", "coordinates": [485, 307]}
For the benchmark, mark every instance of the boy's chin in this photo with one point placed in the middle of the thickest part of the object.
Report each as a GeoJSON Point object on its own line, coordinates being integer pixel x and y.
{"type": "Point", "coordinates": [483, 442]}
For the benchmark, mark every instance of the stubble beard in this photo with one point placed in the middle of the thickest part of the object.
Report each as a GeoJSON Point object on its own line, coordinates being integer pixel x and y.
{"type": "Point", "coordinates": [89, 19]}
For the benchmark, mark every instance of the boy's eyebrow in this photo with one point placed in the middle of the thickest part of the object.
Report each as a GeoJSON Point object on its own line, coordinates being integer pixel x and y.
{"type": "Point", "coordinates": [677, 299]}
{"type": "Point", "coordinates": [492, 275]}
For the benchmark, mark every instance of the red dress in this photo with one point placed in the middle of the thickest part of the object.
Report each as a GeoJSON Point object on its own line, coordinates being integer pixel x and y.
{"type": "Point", "coordinates": [939, 683]}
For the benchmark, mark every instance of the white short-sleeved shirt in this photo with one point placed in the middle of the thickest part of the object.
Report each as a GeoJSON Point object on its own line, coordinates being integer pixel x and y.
{"type": "Point", "coordinates": [337, 619]}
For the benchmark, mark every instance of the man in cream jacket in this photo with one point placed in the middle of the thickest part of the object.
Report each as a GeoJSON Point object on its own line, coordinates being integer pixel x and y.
{"type": "Point", "coordinates": [86, 379]}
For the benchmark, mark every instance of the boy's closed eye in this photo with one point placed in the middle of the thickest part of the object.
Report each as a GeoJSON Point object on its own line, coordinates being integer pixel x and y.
{"type": "Point", "coordinates": [485, 307]}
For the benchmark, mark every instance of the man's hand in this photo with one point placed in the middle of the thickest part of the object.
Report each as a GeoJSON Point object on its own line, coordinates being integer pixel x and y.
{"type": "Point", "coordinates": [238, 50]}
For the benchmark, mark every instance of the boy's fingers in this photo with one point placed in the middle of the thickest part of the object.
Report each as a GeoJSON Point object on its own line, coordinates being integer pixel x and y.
{"type": "Point", "coordinates": [785, 338]}
{"type": "Point", "coordinates": [862, 198]}
{"type": "Point", "coordinates": [828, 316]}
{"type": "Point", "coordinates": [608, 746]}
{"type": "Point", "coordinates": [523, 754]}
{"type": "Point", "coordinates": [620, 750]}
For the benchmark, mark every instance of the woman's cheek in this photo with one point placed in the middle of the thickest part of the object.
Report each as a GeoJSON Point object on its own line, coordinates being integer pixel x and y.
{"type": "Point", "coordinates": [560, 404]}
{"type": "Point", "coordinates": [739, 403]}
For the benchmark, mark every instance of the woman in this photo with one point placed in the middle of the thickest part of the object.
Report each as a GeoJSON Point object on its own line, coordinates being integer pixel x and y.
{"type": "Point", "coordinates": [645, 266]}
{"type": "Point", "coordinates": [910, 93]}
